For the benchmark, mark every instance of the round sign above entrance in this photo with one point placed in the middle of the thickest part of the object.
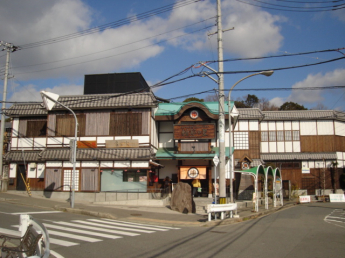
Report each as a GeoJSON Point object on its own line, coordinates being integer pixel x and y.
{"type": "Point", "coordinates": [245, 165]}
{"type": "Point", "coordinates": [194, 114]}
{"type": "Point", "coordinates": [193, 172]}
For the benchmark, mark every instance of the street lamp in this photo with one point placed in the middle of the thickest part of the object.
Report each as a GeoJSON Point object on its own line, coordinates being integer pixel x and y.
{"type": "Point", "coordinates": [266, 73]}
{"type": "Point", "coordinates": [49, 101]}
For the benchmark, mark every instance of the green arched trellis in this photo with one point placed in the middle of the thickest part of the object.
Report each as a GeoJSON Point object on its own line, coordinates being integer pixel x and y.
{"type": "Point", "coordinates": [278, 173]}
{"type": "Point", "coordinates": [254, 172]}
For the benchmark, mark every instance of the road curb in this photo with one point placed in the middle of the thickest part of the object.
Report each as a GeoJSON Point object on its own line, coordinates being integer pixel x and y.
{"type": "Point", "coordinates": [171, 223]}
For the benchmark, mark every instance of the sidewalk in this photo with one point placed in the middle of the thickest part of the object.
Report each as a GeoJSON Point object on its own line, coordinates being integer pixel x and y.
{"type": "Point", "coordinates": [140, 214]}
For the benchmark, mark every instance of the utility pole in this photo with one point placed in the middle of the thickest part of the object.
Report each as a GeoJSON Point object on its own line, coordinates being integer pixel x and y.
{"type": "Point", "coordinates": [221, 119]}
{"type": "Point", "coordinates": [9, 48]}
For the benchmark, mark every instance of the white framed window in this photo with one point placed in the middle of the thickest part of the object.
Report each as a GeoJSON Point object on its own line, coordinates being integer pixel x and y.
{"type": "Point", "coordinates": [241, 140]}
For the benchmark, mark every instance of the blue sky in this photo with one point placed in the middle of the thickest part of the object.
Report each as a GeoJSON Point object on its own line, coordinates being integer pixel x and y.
{"type": "Point", "coordinates": [165, 44]}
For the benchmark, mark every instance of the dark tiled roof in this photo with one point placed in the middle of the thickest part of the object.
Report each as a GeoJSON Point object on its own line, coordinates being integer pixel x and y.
{"type": "Point", "coordinates": [299, 156]}
{"type": "Point", "coordinates": [29, 109]}
{"type": "Point", "coordinates": [255, 113]}
{"type": "Point", "coordinates": [98, 154]}
{"type": "Point", "coordinates": [94, 101]}
{"type": "Point", "coordinates": [145, 99]}
{"type": "Point", "coordinates": [250, 113]}
{"type": "Point", "coordinates": [28, 156]}
{"type": "Point", "coordinates": [64, 154]}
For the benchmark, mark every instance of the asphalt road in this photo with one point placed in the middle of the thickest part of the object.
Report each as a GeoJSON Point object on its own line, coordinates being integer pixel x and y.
{"type": "Point", "coordinates": [312, 230]}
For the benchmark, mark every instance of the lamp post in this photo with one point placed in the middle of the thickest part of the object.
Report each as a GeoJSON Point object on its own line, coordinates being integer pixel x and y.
{"type": "Point", "coordinates": [266, 73]}
{"type": "Point", "coordinates": [49, 100]}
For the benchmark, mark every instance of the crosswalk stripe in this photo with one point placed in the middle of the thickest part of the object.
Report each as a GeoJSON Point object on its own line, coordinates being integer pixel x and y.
{"type": "Point", "coordinates": [35, 212]}
{"type": "Point", "coordinates": [78, 237]}
{"type": "Point", "coordinates": [10, 232]}
{"type": "Point", "coordinates": [98, 229]}
{"type": "Point", "coordinates": [56, 241]}
{"type": "Point", "coordinates": [128, 225]}
{"type": "Point", "coordinates": [108, 226]}
{"type": "Point", "coordinates": [81, 231]}
{"type": "Point", "coordinates": [131, 223]}
{"type": "Point", "coordinates": [61, 242]}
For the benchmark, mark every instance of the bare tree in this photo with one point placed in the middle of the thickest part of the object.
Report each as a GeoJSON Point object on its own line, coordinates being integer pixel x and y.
{"type": "Point", "coordinates": [212, 97]}
{"type": "Point", "coordinates": [320, 106]}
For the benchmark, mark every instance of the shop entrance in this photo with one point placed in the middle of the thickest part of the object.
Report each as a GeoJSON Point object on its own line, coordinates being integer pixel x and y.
{"type": "Point", "coordinates": [20, 183]}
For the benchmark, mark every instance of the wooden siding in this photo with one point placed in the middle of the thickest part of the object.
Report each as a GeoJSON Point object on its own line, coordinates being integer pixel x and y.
{"type": "Point", "coordinates": [53, 179]}
{"type": "Point", "coordinates": [51, 125]}
{"type": "Point", "coordinates": [89, 179]}
{"type": "Point", "coordinates": [65, 125]}
{"type": "Point", "coordinates": [318, 143]}
{"type": "Point", "coordinates": [339, 142]}
{"type": "Point", "coordinates": [199, 147]}
{"type": "Point", "coordinates": [97, 123]}
{"type": "Point", "coordinates": [123, 124]}
{"type": "Point", "coordinates": [254, 147]}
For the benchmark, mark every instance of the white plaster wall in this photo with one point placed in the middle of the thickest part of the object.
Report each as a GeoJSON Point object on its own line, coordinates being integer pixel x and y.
{"type": "Point", "coordinates": [280, 147]}
{"type": "Point", "coordinates": [280, 125]}
{"type": "Point", "coordinates": [31, 171]}
{"type": "Point", "coordinates": [139, 164]}
{"type": "Point", "coordinates": [25, 142]}
{"type": "Point", "coordinates": [54, 164]}
{"type": "Point", "coordinates": [14, 143]}
{"type": "Point", "coordinates": [121, 164]}
{"type": "Point", "coordinates": [273, 147]}
{"type": "Point", "coordinates": [271, 125]}
{"type": "Point", "coordinates": [296, 147]}
{"type": "Point", "coordinates": [13, 170]}
{"type": "Point", "coordinates": [101, 140]}
{"type": "Point", "coordinates": [92, 164]}
{"type": "Point", "coordinates": [288, 146]}
{"type": "Point", "coordinates": [325, 127]}
{"type": "Point", "coordinates": [88, 138]}
{"type": "Point", "coordinates": [142, 139]}
{"type": "Point", "coordinates": [311, 164]}
{"type": "Point", "coordinates": [287, 125]}
{"type": "Point", "coordinates": [40, 143]}
{"type": "Point", "coordinates": [339, 128]}
{"type": "Point", "coordinates": [295, 125]}
{"type": "Point", "coordinates": [308, 128]}
{"type": "Point", "coordinates": [40, 170]}
{"type": "Point", "coordinates": [67, 164]}
{"type": "Point", "coordinates": [15, 127]}
{"type": "Point", "coordinates": [55, 140]}
{"type": "Point", "coordinates": [264, 147]}
{"type": "Point", "coordinates": [107, 164]}
{"type": "Point", "coordinates": [253, 125]}
{"type": "Point", "coordinates": [122, 137]}
{"type": "Point", "coordinates": [264, 126]}
{"type": "Point", "coordinates": [243, 125]}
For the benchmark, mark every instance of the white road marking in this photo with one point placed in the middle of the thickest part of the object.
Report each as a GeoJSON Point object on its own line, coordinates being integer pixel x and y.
{"type": "Point", "coordinates": [78, 237]}
{"type": "Point", "coordinates": [128, 225]}
{"type": "Point", "coordinates": [10, 232]}
{"type": "Point", "coordinates": [131, 223]}
{"type": "Point", "coordinates": [81, 231]}
{"type": "Point", "coordinates": [35, 212]}
{"type": "Point", "coordinates": [109, 226]}
{"type": "Point", "coordinates": [98, 229]}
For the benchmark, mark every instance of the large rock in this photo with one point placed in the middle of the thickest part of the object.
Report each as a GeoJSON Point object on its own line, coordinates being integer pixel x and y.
{"type": "Point", "coordinates": [181, 198]}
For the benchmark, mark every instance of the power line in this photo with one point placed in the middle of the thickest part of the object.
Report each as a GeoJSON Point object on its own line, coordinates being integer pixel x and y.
{"type": "Point", "coordinates": [162, 41]}
{"type": "Point", "coordinates": [115, 24]}
{"type": "Point", "coordinates": [124, 45]}
{"type": "Point", "coordinates": [292, 10]}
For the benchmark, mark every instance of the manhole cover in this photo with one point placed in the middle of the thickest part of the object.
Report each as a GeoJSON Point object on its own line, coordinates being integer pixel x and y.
{"type": "Point", "coordinates": [135, 214]}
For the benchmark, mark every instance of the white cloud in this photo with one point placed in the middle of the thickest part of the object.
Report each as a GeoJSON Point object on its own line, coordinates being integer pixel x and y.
{"type": "Point", "coordinates": [256, 33]}
{"type": "Point", "coordinates": [31, 92]}
{"type": "Point", "coordinates": [277, 101]}
{"type": "Point", "coordinates": [333, 78]}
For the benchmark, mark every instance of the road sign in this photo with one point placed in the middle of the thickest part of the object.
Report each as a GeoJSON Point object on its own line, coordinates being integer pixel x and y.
{"type": "Point", "coordinates": [216, 160]}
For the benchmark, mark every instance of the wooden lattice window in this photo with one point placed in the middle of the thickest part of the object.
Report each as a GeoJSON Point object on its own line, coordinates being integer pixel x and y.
{"type": "Point", "coordinates": [125, 124]}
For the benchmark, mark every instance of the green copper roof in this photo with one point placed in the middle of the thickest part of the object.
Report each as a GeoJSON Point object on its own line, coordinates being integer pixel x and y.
{"type": "Point", "coordinates": [169, 153]}
{"type": "Point", "coordinates": [165, 109]}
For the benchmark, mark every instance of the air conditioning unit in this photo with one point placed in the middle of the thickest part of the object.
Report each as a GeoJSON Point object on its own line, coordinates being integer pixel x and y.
{"type": "Point", "coordinates": [32, 165]}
